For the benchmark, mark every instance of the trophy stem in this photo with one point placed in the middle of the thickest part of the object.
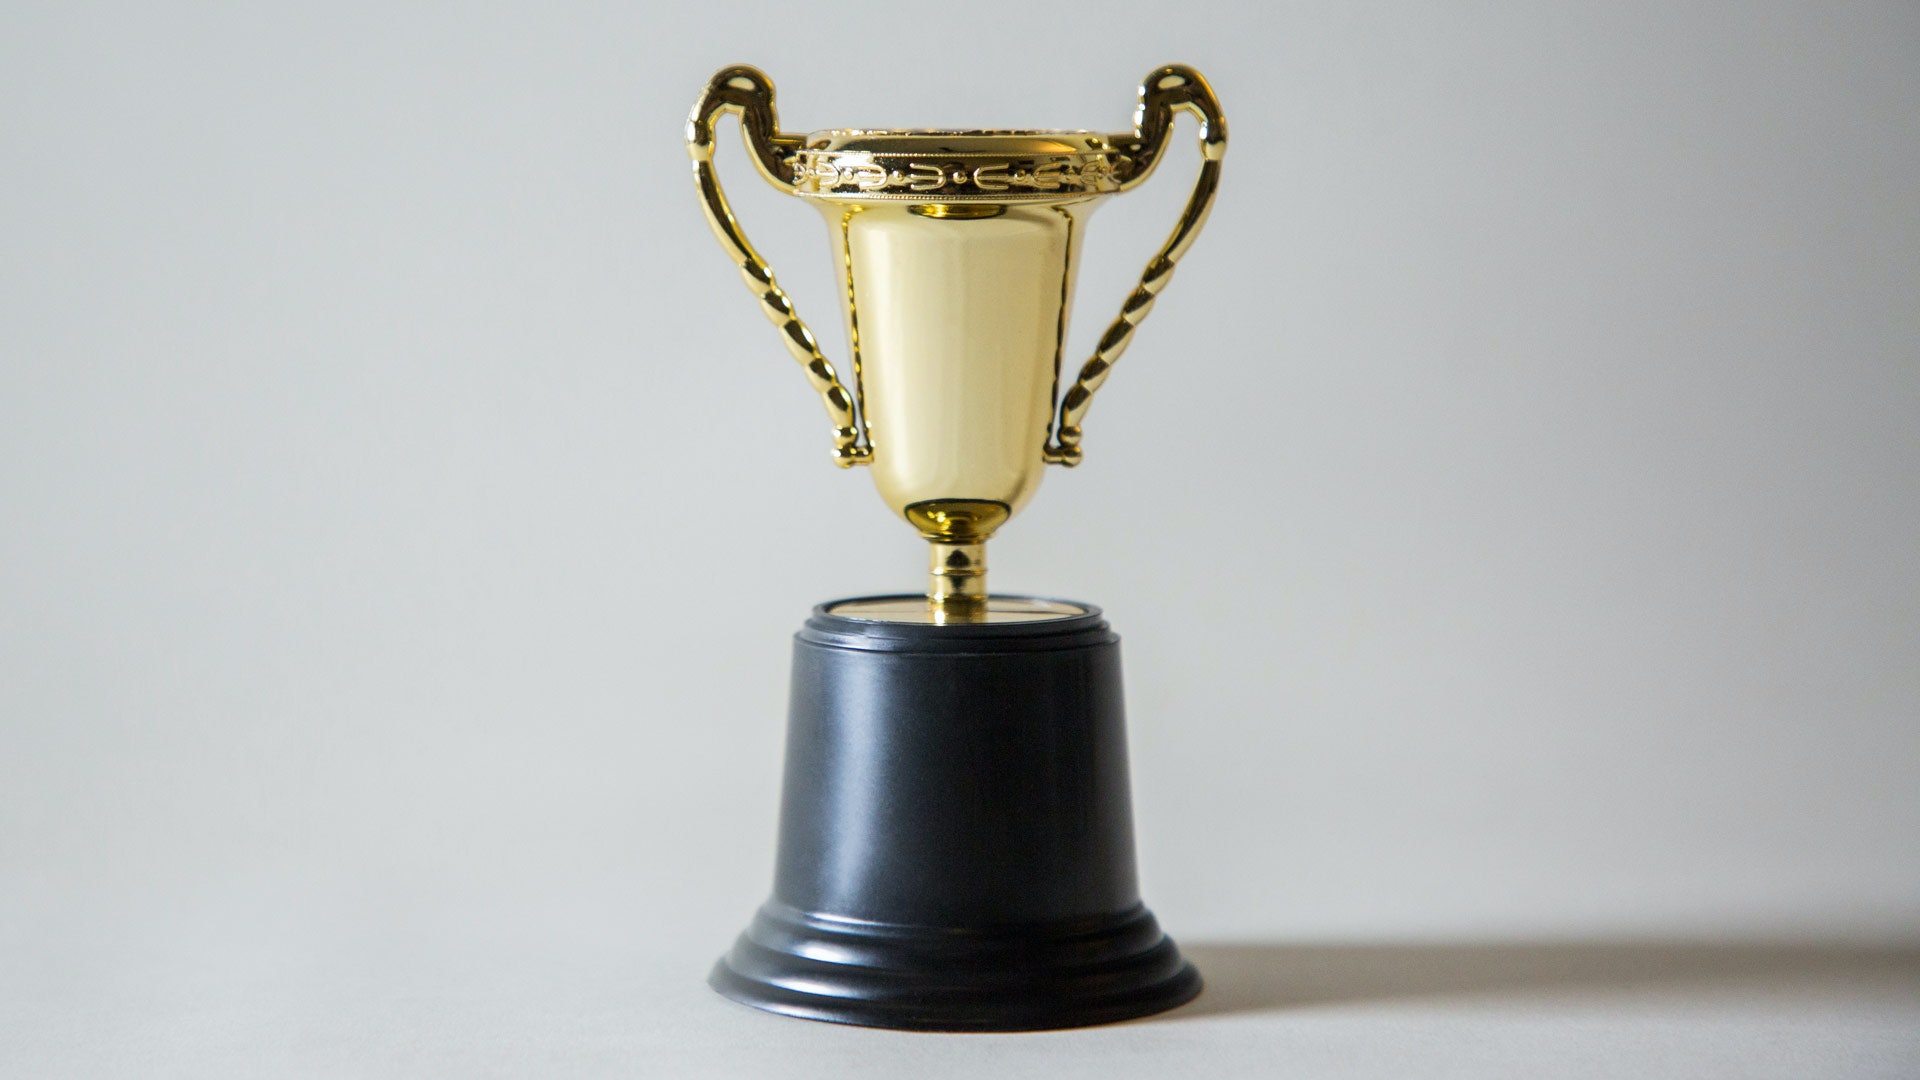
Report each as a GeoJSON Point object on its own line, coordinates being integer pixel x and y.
{"type": "Point", "coordinates": [958, 530]}
{"type": "Point", "coordinates": [957, 580]}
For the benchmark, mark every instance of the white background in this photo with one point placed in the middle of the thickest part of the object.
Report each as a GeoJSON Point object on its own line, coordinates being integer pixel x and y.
{"type": "Point", "coordinates": [1512, 513]}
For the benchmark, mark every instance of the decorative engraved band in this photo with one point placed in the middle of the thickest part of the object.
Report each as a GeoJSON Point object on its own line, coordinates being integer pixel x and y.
{"type": "Point", "coordinates": [960, 177]}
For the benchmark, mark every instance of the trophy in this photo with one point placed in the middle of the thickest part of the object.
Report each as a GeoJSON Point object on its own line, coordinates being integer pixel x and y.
{"type": "Point", "coordinates": [956, 836]}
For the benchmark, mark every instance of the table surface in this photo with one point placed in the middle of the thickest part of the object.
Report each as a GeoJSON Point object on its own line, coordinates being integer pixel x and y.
{"type": "Point", "coordinates": [433, 993]}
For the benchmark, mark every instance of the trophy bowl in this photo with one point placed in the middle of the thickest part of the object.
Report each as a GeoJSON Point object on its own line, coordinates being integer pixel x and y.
{"type": "Point", "coordinates": [956, 847]}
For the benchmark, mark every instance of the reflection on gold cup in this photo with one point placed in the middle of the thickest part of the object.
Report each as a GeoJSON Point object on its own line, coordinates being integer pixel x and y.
{"type": "Point", "coordinates": [956, 253]}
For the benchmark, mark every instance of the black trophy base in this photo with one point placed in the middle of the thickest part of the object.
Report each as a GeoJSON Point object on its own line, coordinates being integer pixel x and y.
{"type": "Point", "coordinates": [956, 835]}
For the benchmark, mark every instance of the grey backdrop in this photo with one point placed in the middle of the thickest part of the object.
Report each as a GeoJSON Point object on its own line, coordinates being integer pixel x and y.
{"type": "Point", "coordinates": [1512, 511]}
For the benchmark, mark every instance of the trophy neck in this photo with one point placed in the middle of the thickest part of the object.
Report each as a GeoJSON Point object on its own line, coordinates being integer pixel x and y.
{"type": "Point", "coordinates": [957, 531]}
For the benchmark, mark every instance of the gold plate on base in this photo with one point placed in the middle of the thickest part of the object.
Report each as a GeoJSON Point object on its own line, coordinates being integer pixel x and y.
{"type": "Point", "coordinates": [917, 609]}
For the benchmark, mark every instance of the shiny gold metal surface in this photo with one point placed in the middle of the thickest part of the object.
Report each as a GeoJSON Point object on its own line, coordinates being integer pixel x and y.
{"type": "Point", "coordinates": [932, 165]}
{"type": "Point", "coordinates": [957, 323]}
{"type": "Point", "coordinates": [957, 531]}
{"type": "Point", "coordinates": [956, 252]}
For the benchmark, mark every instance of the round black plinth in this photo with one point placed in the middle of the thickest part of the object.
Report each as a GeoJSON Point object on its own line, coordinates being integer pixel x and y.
{"type": "Point", "coordinates": [956, 834]}
{"type": "Point", "coordinates": [1067, 974]}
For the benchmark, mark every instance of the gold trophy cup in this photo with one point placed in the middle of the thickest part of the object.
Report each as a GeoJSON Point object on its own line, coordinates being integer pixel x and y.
{"type": "Point", "coordinates": [956, 848]}
{"type": "Point", "coordinates": [956, 253]}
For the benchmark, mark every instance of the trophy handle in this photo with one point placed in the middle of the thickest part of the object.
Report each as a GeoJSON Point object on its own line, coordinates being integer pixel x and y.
{"type": "Point", "coordinates": [1174, 88]}
{"type": "Point", "coordinates": [746, 92]}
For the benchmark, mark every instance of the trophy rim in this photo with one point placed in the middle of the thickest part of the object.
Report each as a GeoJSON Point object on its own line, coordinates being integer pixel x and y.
{"type": "Point", "coordinates": [959, 164]}
{"type": "Point", "coordinates": [847, 138]}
